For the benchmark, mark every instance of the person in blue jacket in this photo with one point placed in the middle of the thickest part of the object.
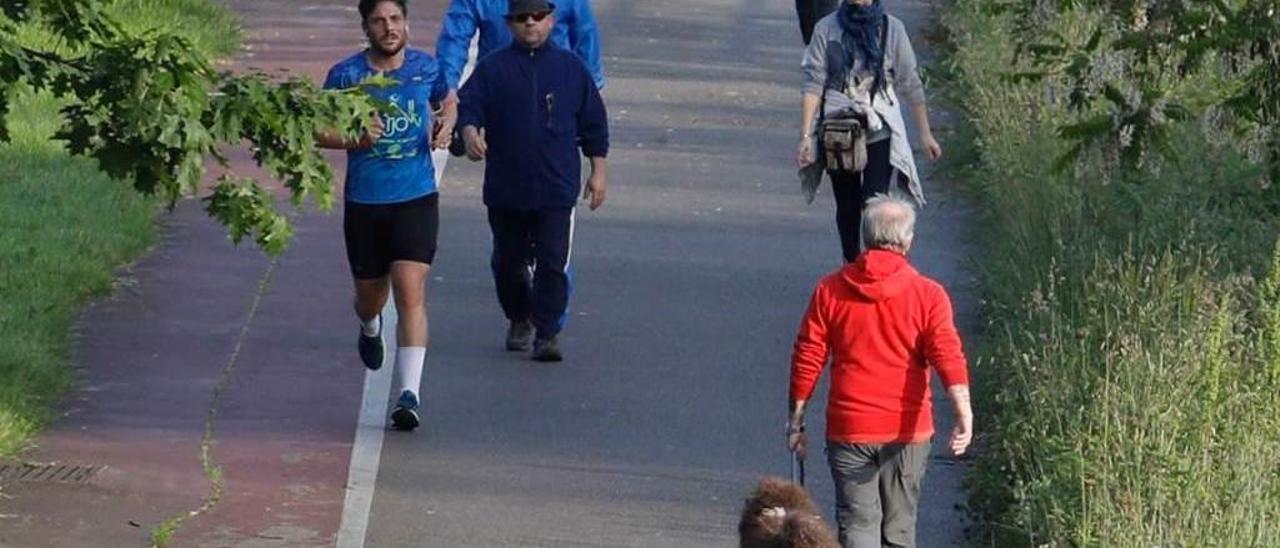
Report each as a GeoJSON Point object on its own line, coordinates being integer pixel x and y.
{"type": "Point", "coordinates": [526, 110]}
{"type": "Point", "coordinates": [575, 30]}
{"type": "Point", "coordinates": [391, 207]}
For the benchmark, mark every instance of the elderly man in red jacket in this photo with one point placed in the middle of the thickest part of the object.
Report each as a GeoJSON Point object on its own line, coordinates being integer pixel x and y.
{"type": "Point", "coordinates": [885, 326]}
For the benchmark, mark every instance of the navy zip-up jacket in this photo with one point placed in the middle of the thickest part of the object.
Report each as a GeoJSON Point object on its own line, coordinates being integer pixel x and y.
{"type": "Point", "coordinates": [537, 108]}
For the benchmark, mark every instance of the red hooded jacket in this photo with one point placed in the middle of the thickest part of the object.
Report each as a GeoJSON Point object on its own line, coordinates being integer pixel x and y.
{"type": "Point", "coordinates": [884, 325]}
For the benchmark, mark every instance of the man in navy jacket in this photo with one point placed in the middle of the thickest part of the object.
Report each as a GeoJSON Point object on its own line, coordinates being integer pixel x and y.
{"type": "Point", "coordinates": [526, 110]}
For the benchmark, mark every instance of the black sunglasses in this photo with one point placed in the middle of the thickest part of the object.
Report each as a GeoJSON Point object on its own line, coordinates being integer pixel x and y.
{"type": "Point", "coordinates": [525, 17]}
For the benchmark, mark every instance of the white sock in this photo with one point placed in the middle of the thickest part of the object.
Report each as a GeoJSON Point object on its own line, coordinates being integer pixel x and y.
{"type": "Point", "coordinates": [409, 360]}
{"type": "Point", "coordinates": [371, 327]}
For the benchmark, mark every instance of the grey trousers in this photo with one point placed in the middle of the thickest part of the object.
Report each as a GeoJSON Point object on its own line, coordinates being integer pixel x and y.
{"type": "Point", "coordinates": [877, 492]}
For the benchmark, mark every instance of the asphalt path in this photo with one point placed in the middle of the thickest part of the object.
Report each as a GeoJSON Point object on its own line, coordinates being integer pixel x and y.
{"type": "Point", "coordinates": [689, 285]}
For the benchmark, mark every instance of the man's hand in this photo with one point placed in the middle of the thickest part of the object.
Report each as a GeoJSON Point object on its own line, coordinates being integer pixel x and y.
{"type": "Point", "coordinates": [372, 133]}
{"type": "Point", "coordinates": [442, 132]}
{"type": "Point", "coordinates": [962, 434]}
{"type": "Point", "coordinates": [797, 440]}
{"type": "Point", "coordinates": [597, 188]}
{"type": "Point", "coordinates": [804, 151]}
{"type": "Point", "coordinates": [477, 148]}
{"type": "Point", "coordinates": [931, 147]}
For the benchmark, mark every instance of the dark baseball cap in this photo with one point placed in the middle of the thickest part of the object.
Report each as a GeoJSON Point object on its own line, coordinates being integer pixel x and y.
{"type": "Point", "coordinates": [522, 7]}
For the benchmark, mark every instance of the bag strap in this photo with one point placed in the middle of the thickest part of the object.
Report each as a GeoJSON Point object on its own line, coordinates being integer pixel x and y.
{"type": "Point", "coordinates": [822, 110]}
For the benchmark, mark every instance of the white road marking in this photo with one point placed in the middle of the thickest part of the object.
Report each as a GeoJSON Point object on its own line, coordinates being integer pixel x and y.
{"type": "Point", "coordinates": [366, 453]}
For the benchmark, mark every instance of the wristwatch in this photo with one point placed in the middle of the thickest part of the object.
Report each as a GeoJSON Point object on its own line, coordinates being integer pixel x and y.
{"type": "Point", "coordinates": [791, 430]}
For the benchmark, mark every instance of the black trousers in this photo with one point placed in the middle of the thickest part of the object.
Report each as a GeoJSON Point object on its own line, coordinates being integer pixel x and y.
{"type": "Point", "coordinates": [810, 11]}
{"type": "Point", "coordinates": [852, 190]}
{"type": "Point", "coordinates": [531, 269]}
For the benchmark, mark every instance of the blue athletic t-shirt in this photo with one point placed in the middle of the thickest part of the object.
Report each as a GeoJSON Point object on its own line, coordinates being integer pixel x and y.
{"type": "Point", "coordinates": [398, 167]}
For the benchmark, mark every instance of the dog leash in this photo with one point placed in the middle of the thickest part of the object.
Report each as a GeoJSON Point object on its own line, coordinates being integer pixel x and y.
{"type": "Point", "coordinates": [797, 469]}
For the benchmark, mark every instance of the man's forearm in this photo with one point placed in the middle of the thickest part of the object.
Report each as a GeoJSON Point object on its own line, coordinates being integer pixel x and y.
{"type": "Point", "coordinates": [599, 166]}
{"type": "Point", "coordinates": [960, 400]}
{"type": "Point", "coordinates": [333, 139]}
{"type": "Point", "coordinates": [449, 109]}
{"type": "Point", "coordinates": [795, 418]}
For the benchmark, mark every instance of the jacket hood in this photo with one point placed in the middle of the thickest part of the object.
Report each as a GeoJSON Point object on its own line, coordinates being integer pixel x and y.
{"type": "Point", "coordinates": [878, 274]}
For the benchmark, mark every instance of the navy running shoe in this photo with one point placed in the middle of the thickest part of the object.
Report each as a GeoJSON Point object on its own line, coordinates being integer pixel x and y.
{"type": "Point", "coordinates": [372, 349]}
{"type": "Point", "coordinates": [405, 415]}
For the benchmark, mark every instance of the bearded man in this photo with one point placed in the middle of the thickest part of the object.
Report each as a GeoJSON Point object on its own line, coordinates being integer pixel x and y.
{"type": "Point", "coordinates": [391, 206]}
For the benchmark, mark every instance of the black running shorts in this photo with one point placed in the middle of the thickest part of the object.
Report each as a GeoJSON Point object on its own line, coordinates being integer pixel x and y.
{"type": "Point", "coordinates": [379, 234]}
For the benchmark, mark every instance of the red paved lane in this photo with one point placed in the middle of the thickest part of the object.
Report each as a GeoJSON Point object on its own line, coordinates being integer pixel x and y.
{"type": "Point", "coordinates": [150, 356]}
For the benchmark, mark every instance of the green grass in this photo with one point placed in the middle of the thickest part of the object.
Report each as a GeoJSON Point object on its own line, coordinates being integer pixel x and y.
{"type": "Point", "coordinates": [207, 25]}
{"type": "Point", "coordinates": [1129, 371]}
{"type": "Point", "coordinates": [65, 230]}
{"type": "Point", "coordinates": [162, 535]}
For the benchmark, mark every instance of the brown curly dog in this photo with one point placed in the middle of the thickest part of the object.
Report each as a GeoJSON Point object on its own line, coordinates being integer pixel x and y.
{"type": "Point", "coordinates": [780, 514]}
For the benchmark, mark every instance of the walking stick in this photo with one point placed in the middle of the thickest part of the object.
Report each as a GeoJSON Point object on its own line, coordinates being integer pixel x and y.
{"type": "Point", "coordinates": [797, 468]}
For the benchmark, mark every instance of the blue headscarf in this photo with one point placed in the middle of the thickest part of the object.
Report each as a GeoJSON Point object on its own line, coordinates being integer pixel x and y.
{"type": "Point", "coordinates": [862, 25]}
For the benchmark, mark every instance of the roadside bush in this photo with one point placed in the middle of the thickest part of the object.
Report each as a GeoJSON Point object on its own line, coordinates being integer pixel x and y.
{"type": "Point", "coordinates": [1129, 369]}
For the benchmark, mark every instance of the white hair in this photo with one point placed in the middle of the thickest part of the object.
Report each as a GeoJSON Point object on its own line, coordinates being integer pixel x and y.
{"type": "Point", "coordinates": [888, 222]}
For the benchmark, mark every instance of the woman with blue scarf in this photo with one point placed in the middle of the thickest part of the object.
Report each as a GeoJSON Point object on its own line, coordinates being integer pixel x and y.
{"type": "Point", "coordinates": [860, 63]}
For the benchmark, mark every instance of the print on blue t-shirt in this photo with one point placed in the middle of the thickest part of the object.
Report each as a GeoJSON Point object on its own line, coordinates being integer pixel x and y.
{"type": "Point", "coordinates": [398, 167]}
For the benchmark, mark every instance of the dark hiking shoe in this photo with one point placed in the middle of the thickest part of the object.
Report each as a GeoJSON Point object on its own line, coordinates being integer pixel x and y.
{"type": "Point", "coordinates": [520, 336]}
{"type": "Point", "coordinates": [372, 350]}
{"type": "Point", "coordinates": [547, 350]}
{"type": "Point", "coordinates": [405, 415]}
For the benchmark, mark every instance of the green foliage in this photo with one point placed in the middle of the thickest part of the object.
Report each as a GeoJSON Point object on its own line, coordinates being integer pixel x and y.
{"type": "Point", "coordinates": [150, 108]}
{"type": "Point", "coordinates": [1130, 366]}
{"type": "Point", "coordinates": [1126, 64]}
{"type": "Point", "coordinates": [4, 113]}
{"type": "Point", "coordinates": [65, 226]}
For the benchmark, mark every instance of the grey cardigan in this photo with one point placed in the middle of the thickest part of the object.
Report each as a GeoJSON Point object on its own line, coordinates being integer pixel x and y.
{"type": "Point", "coordinates": [903, 81]}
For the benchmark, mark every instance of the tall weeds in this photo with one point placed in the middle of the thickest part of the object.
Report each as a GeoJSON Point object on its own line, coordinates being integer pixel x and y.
{"type": "Point", "coordinates": [1131, 358]}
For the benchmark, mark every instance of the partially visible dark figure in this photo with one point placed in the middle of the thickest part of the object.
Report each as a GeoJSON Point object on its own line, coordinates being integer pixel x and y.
{"type": "Point", "coordinates": [810, 11]}
{"type": "Point", "coordinates": [780, 514]}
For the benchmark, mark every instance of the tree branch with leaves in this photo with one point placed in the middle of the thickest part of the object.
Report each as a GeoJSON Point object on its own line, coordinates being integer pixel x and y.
{"type": "Point", "coordinates": [1125, 81]}
{"type": "Point", "coordinates": [152, 110]}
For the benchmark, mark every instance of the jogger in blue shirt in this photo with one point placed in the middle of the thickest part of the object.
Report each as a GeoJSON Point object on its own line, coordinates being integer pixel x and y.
{"type": "Point", "coordinates": [398, 167]}
{"type": "Point", "coordinates": [391, 207]}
